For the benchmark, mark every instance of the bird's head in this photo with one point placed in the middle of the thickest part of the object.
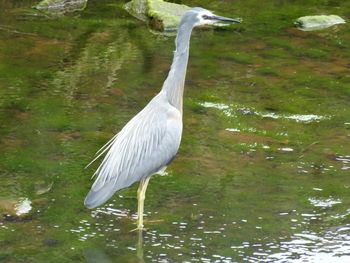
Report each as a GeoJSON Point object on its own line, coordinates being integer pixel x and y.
{"type": "Point", "coordinates": [206, 17]}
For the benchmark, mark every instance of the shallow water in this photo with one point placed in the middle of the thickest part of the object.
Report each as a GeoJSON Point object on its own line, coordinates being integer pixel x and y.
{"type": "Point", "coordinates": [263, 171]}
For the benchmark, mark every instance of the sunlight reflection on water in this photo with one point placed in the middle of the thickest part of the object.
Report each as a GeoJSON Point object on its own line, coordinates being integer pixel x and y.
{"type": "Point", "coordinates": [333, 246]}
{"type": "Point", "coordinates": [324, 203]}
{"type": "Point", "coordinates": [231, 110]}
{"type": "Point", "coordinates": [328, 245]}
{"type": "Point", "coordinates": [101, 228]}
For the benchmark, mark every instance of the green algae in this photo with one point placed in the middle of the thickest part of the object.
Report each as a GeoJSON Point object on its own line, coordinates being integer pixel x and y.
{"type": "Point", "coordinates": [71, 84]}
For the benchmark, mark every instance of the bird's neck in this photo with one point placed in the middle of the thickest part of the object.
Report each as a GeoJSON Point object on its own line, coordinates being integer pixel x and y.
{"type": "Point", "coordinates": [174, 83]}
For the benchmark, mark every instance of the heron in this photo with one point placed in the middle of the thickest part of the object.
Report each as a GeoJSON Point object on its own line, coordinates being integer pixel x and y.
{"type": "Point", "coordinates": [148, 143]}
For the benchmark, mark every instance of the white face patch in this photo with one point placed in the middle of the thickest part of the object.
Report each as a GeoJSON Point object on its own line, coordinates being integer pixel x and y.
{"type": "Point", "coordinates": [202, 20]}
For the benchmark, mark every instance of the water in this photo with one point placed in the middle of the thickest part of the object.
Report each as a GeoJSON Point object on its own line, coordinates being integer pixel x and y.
{"type": "Point", "coordinates": [262, 174]}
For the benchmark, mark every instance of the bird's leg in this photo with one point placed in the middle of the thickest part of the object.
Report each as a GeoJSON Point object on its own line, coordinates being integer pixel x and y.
{"type": "Point", "coordinates": [141, 194]}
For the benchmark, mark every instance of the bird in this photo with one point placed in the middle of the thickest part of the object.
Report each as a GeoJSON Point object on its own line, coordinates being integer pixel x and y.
{"type": "Point", "coordinates": [148, 143]}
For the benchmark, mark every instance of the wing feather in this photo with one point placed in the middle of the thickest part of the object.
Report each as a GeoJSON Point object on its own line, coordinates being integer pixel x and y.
{"type": "Point", "coordinates": [147, 143]}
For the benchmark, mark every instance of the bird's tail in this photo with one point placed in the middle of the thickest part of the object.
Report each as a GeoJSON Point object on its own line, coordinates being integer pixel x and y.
{"type": "Point", "coordinates": [97, 198]}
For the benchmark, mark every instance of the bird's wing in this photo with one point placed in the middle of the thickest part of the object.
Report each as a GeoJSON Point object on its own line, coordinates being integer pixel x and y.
{"type": "Point", "coordinates": [147, 143]}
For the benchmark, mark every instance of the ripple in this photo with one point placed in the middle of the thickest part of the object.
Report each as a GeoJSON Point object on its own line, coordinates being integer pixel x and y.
{"type": "Point", "coordinates": [92, 228]}
{"type": "Point", "coordinates": [232, 110]}
{"type": "Point", "coordinates": [345, 160]}
{"type": "Point", "coordinates": [110, 211]}
{"type": "Point", "coordinates": [194, 241]}
{"type": "Point", "coordinates": [309, 167]}
{"type": "Point", "coordinates": [324, 203]}
{"type": "Point", "coordinates": [286, 149]}
{"type": "Point", "coordinates": [306, 118]}
{"type": "Point", "coordinates": [332, 246]}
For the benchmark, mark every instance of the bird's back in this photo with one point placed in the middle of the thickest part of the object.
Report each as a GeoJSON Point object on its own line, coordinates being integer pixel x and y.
{"type": "Point", "coordinates": [146, 144]}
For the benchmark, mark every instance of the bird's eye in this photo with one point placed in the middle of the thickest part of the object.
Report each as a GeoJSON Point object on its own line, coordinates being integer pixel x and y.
{"type": "Point", "coordinates": [205, 17]}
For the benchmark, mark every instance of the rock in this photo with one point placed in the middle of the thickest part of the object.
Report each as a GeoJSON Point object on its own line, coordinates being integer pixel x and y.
{"type": "Point", "coordinates": [42, 187]}
{"type": "Point", "coordinates": [161, 15]}
{"type": "Point", "coordinates": [311, 23]}
{"type": "Point", "coordinates": [16, 207]}
{"type": "Point", "coordinates": [61, 6]}
{"type": "Point", "coordinates": [138, 9]}
{"type": "Point", "coordinates": [166, 14]}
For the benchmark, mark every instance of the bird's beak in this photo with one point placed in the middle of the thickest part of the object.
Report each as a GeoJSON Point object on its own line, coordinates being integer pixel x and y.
{"type": "Point", "coordinates": [225, 19]}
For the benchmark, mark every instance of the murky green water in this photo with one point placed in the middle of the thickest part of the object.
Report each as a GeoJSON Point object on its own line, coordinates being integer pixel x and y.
{"type": "Point", "coordinates": [263, 172]}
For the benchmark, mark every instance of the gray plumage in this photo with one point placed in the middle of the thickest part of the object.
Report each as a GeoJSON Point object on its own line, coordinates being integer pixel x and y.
{"type": "Point", "coordinates": [147, 143]}
{"type": "Point", "coordinates": [151, 139]}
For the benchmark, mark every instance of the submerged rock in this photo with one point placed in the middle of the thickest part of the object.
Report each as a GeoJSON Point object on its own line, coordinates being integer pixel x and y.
{"type": "Point", "coordinates": [161, 15]}
{"type": "Point", "coordinates": [42, 187]}
{"type": "Point", "coordinates": [61, 6]}
{"type": "Point", "coordinates": [16, 207]}
{"type": "Point", "coordinates": [310, 23]}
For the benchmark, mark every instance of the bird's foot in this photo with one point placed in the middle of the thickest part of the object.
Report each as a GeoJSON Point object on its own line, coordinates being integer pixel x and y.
{"type": "Point", "coordinates": [139, 229]}
{"type": "Point", "coordinates": [142, 228]}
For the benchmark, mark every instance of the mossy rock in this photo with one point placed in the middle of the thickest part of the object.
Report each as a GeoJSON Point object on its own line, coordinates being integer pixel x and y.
{"type": "Point", "coordinates": [311, 23]}
{"type": "Point", "coordinates": [168, 14]}
{"type": "Point", "coordinates": [61, 6]}
{"type": "Point", "coordinates": [161, 15]}
{"type": "Point", "coordinates": [15, 207]}
{"type": "Point", "coordinates": [138, 9]}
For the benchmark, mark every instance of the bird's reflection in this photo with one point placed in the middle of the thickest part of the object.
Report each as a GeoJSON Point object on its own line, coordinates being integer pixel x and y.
{"type": "Point", "coordinates": [139, 247]}
{"type": "Point", "coordinates": [95, 255]}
